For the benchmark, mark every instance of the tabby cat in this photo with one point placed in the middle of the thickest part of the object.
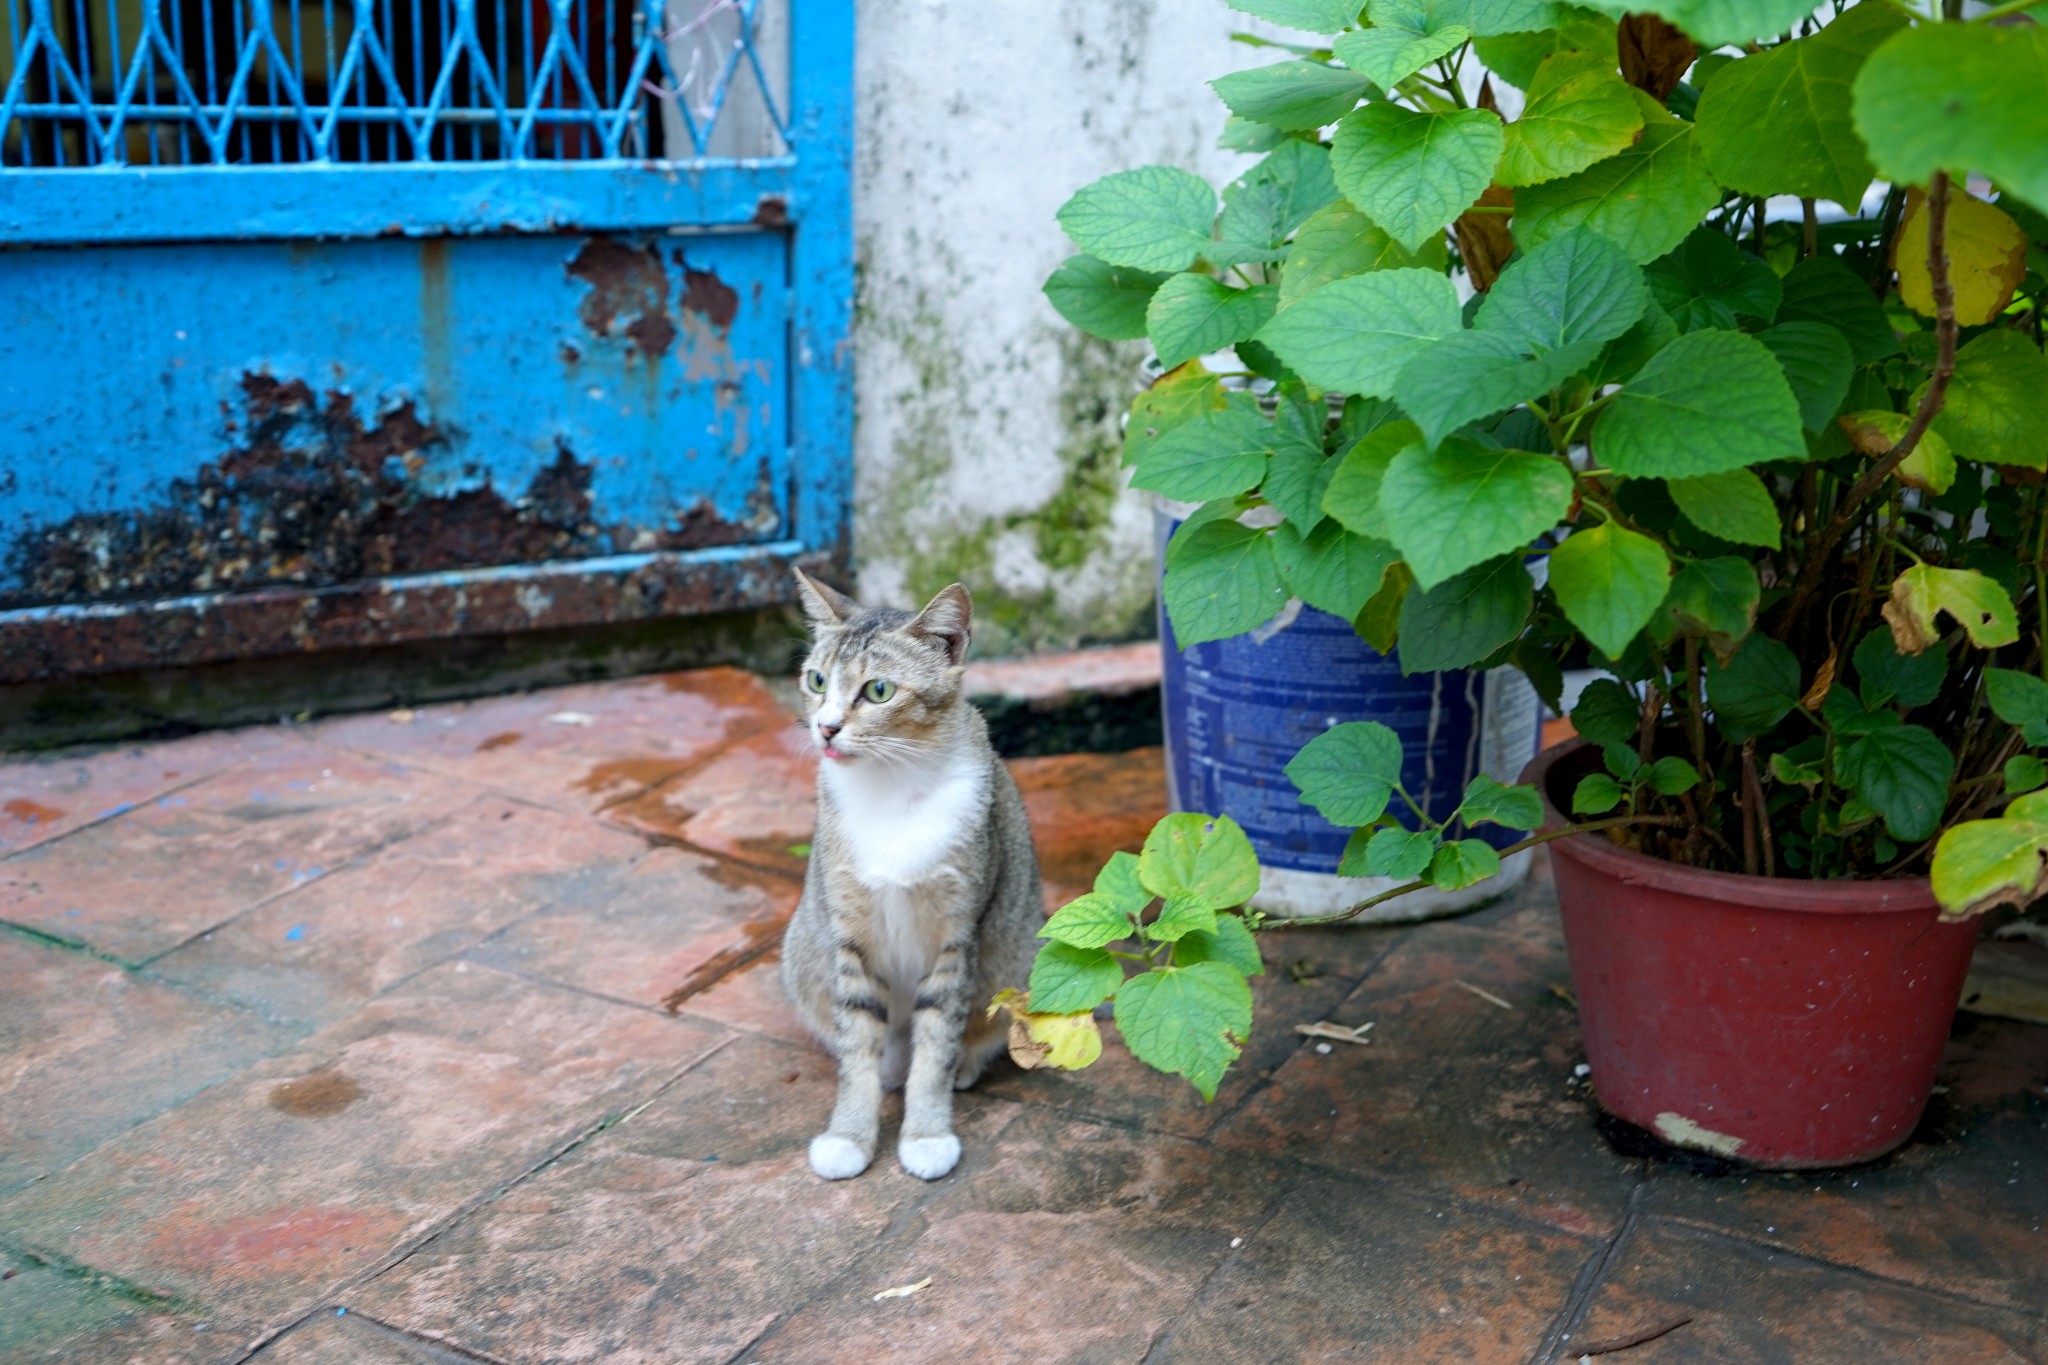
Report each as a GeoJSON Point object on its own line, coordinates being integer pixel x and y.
{"type": "Point", "coordinates": [922, 897]}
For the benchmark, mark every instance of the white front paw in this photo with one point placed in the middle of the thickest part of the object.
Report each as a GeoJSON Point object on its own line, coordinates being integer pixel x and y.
{"type": "Point", "coordinates": [929, 1158]}
{"type": "Point", "coordinates": [835, 1158]}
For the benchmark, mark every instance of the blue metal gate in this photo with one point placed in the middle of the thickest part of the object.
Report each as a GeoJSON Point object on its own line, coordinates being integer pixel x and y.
{"type": "Point", "coordinates": [330, 323]}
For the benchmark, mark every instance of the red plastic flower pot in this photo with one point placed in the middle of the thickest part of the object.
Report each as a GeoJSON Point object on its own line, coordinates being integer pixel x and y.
{"type": "Point", "coordinates": [1778, 1021]}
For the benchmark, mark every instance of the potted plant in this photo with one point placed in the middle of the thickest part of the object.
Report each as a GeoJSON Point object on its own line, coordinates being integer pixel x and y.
{"type": "Point", "coordinates": [1783, 472]}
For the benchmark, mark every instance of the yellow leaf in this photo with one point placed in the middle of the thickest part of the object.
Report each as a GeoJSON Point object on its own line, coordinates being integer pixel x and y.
{"type": "Point", "coordinates": [1932, 465]}
{"type": "Point", "coordinates": [1066, 1042]}
{"type": "Point", "coordinates": [1978, 604]}
{"type": "Point", "coordinates": [1987, 257]}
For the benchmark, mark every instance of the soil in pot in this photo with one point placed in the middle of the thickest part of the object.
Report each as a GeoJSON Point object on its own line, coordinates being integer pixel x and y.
{"type": "Point", "coordinates": [1782, 1022]}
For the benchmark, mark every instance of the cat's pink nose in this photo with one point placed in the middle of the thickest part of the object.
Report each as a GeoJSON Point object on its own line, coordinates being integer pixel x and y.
{"type": "Point", "coordinates": [825, 732]}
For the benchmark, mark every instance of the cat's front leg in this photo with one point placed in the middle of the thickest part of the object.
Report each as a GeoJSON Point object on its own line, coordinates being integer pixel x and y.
{"type": "Point", "coordinates": [861, 1024]}
{"type": "Point", "coordinates": [929, 1148]}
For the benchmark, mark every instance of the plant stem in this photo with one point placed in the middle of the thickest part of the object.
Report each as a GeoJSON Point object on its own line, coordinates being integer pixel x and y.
{"type": "Point", "coordinates": [1543, 837]}
{"type": "Point", "coordinates": [1823, 545]}
{"type": "Point", "coordinates": [1809, 241]}
{"type": "Point", "coordinates": [2000, 11]}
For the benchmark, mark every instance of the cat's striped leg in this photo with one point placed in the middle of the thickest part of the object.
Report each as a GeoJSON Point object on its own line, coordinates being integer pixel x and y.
{"type": "Point", "coordinates": [861, 1021]}
{"type": "Point", "coordinates": [928, 1148]}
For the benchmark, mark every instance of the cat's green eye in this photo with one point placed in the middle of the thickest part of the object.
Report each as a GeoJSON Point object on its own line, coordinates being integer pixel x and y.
{"type": "Point", "coordinates": [879, 690]}
{"type": "Point", "coordinates": [815, 681]}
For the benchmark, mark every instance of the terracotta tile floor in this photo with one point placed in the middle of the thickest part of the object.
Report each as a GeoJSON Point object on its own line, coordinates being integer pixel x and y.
{"type": "Point", "coordinates": [345, 1043]}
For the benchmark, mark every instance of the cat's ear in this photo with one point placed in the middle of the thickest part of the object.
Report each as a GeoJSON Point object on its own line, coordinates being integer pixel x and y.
{"type": "Point", "coordinates": [826, 608]}
{"type": "Point", "coordinates": [948, 620]}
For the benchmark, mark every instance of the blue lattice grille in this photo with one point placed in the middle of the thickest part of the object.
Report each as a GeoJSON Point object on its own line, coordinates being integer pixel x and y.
{"type": "Point", "coordinates": [253, 82]}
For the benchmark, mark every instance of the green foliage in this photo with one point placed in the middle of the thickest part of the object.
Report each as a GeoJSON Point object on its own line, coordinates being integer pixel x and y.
{"type": "Point", "coordinates": [1154, 218]}
{"type": "Point", "coordinates": [1958, 98]}
{"type": "Point", "coordinates": [1413, 171]}
{"type": "Point", "coordinates": [1579, 112]}
{"type": "Point", "coordinates": [1101, 299]}
{"type": "Point", "coordinates": [1800, 91]}
{"type": "Point", "coordinates": [1707, 403]}
{"type": "Point", "coordinates": [1648, 436]}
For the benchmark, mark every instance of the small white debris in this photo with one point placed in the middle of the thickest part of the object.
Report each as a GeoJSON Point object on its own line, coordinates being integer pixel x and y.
{"type": "Point", "coordinates": [1323, 1028]}
{"type": "Point", "coordinates": [1582, 1070]}
{"type": "Point", "coordinates": [1325, 1049]}
{"type": "Point", "coordinates": [573, 718]}
{"type": "Point", "coordinates": [1236, 1242]}
{"type": "Point", "coordinates": [402, 716]}
{"type": "Point", "coordinates": [904, 1291]}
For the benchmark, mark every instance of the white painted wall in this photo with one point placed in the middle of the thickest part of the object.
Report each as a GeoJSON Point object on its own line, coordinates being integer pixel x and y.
{"type": "Point", "coordinates": [985, 443]}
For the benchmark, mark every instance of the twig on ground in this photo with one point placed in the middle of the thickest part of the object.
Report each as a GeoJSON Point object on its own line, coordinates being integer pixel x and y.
{"type": "Point", "coordinates": [1488, 996]}
{"type": "Point", "coordinates": [1609, 1345]}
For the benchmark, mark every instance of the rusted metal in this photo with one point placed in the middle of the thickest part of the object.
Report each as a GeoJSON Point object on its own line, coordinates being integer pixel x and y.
{"type": "Point", "coordinates": [67, 641]}
{"type": "Point", "coordinates": [316, 496]}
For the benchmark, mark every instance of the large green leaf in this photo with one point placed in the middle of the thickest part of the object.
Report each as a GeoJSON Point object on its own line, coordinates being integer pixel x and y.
{"type": "Point", "coordinates": [1960, 98]}
{"type": "Point", "coordinates": [1754, 690]}
{"type": "Point", "coordinates": [2019, 699]}
{"type": "Point", "coordinates": [1175, 397]}
{"type": "Point", "coordinates": [1822, 289]}
{"type": "Point", "coordinates": [1578, 112]}
{"type": "Point", "coordinates": [1515, 58]}
{"type": "Point", "coordinates": [1102, 299]}
{"type": "Point", "coordinates": [1191, 1021]}
{"type": "Point", "coordinates": [1647, 197]}
{"type": "Point", "coordinates": [1713, 599]}
{"type": "Point", "coordinates": [1609, 582]}
{"type": "Point", "coordinates": [1997, 405]}
{"type": "Point", "coordinates": [1221, 581]}
{"type": "Point", "coordinates": [1152, 218]}
{"type": "Point", "coordinates": [1212, 455]}
{"type": "Point", "coordinates": [1460, 863]}
{"type": "Point", "coordinates": [1402, 40]}
{"type": "Point", "coordinates": [1470, 375]}
{"type": "Point", "coordinates": [1777, 122]}
{"type": "Point", "coordinates": [1200, 861]}
{"type": "Point", "coordinates": [1192, 315]}
{"type": "Point", "coordinates": [1297, 474]}
{"type": "Point", "coordinates": [1607, 713]}
{"type": "Point", "coordinates": [1466, 504]}
{"type": "Point", "coordinates": [1708, 402]}
{"type": "Point", "coordinates": [1411, 172]}
{"type": "Point", "coordinates": [1107, 913]}
{"type": "Point", "coordinates": [1356, 334]}
{"type": "Point", "coordinates": [1817, 364]}
{"type": "Point", "coordinates": [1229, 942]}
{"type": "Point", "coordinates": [1291, 95]}
{"type": "Point", "coordinates": [1068, 980]}
{"type": "Point", "coordinates": [1353, 496]}
{"type": "Point", "coordinates": [1903, 772]}
{"type": "Point", "coordinates": [1466, 618]}
{"type": "Point", "coordinates": [1733, 505]}
{"type": "Point", "coordinates": [1278, 195]}
{"type": "Point", "coordinates": [1717, 23]}
{"type": "Point", "coordinates": [1486, 18]}
{"type": "Point", "coordinates": [1349, 771]}
{"type": "Point", "coordinates": [1489, 801]}
{"type": "Point", "coordinates": [1884, 676]}
{"type": "Point", "coordinates": [1330, 568]}
{"type": "Point", "coordinates": [1338, 241]}
{"type": "Point", "coordinates": [1311, 16]}
{"type": "Point", "coordinates": [1706, 281]}
{"type": "Point", "coordinates": [1577, 286]}
{"type": "Point", "coordinates": [1390, 852]}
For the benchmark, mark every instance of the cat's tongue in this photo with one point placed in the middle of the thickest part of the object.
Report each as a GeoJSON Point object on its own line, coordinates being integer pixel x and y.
{"type": "Point", "coordinates": [833, 752]}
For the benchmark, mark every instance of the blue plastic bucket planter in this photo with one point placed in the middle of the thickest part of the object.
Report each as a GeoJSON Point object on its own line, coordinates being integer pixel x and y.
{"type": "Point", "coordinates": [1236, 710]}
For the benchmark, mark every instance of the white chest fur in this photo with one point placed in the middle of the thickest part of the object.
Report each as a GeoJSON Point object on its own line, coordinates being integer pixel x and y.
{"type": "Point", "coordinates": [901, 826]}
